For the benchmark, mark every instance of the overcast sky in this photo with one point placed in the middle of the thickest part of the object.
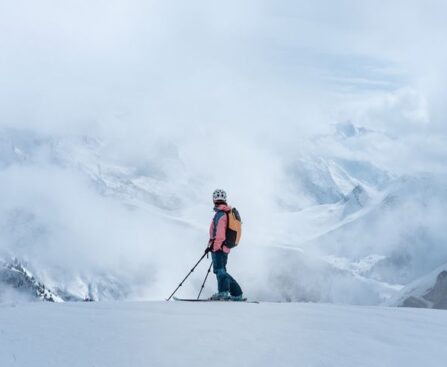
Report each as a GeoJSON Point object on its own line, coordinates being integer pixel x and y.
{"type": "Point", "coordinates": [257, 76]}
{"type": "Point", "coordinates": [252, 65]}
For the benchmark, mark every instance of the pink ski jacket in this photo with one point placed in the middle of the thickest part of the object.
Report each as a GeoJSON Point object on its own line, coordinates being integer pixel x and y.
{"type": "Point", "coordinates": [218, 228]}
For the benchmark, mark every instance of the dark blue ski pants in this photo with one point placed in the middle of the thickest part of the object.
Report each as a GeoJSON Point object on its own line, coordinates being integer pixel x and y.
{"type": "Point", "coordinates": [225, 282]}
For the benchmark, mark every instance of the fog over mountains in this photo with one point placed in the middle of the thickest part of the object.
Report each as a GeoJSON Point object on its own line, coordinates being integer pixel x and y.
{"type": "Point", "coordinates": [85, 224]}
{"type": "Point", "coordinates": [325, 123]}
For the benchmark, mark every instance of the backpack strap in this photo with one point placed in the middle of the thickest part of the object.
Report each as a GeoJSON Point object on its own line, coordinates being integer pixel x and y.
{"type": "Point", "coordinates": [226, 229]}
{"type": "Point", "coordinates": [216, 219]}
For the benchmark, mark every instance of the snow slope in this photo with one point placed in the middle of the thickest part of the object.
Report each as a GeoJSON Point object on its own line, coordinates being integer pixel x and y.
{"type": "Point", "coordinates": [219, 334]}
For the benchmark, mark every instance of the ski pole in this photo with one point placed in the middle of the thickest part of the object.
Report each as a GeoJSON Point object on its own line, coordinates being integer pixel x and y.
{"type": "Point", "coordinates": [176, 289]}
{"type": "Point", "coordinates": [204, 281]}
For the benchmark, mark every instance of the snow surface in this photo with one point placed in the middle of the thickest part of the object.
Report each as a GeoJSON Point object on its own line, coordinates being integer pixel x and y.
{"type": "Point", "coordinates": [219, 334]}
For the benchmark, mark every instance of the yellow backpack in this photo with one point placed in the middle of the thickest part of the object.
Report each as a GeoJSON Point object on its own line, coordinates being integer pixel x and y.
{"type": "Point", "coordinates": [234, 228]}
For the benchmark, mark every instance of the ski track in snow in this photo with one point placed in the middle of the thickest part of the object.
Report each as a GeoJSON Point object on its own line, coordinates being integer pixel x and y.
{"type": "Point", "coordinates": [219, 334]}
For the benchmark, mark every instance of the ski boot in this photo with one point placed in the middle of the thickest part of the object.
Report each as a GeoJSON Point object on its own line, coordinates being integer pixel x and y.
{"type": "Point", "coordinates": [220, 296]}
{"type": "Point", "coordinates": [239, 298]}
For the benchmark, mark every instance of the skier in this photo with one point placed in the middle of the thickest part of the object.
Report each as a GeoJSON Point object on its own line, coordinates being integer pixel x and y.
{"type": "Point", "coordinates": [228, 288]}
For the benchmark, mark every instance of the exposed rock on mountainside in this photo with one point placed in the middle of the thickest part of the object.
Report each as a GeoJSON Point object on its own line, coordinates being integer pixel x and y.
{"type": "Point", "coordinates": [356, 200]}
{"type": "Point", "coordinates": [428, 292]}
{"type": "Point", "coordinates": [435, 297]}
{"type": "Point", "coordinates": [16, 276]}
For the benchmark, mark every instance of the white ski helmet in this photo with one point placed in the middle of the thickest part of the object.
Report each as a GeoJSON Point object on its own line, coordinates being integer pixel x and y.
{"type": "Point", "coordinates": [219, 195]}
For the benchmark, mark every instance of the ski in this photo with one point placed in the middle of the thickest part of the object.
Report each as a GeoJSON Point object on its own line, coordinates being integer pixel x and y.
{"type": "Point", "coordinates": [211, 300]}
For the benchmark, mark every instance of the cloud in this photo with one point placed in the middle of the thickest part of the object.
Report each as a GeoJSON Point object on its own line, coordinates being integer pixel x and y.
{"type": "Point", "coordinates": [165, 64]}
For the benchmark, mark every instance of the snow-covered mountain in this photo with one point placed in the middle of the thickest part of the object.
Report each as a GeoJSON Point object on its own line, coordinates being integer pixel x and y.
{"type": "Point", "coordinates": [343, 228]}
{"type": "Point", "coordinates": [19, 279]}
{"type": "Point", "coordinates": [429, 291]}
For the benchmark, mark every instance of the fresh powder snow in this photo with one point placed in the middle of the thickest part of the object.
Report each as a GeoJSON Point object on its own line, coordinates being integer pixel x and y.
{"type": "Point", "coordinates": [174, 333]}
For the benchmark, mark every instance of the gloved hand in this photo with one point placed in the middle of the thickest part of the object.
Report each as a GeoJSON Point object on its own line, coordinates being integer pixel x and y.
{"type": "Point", "coordinates": [209, 247]}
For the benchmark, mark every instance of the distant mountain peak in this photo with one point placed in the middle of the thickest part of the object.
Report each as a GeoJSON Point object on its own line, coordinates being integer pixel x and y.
{"type": "Point", "coordinates": [356, 200]}
{"type": "Point", "coordinates": [348, 130]}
